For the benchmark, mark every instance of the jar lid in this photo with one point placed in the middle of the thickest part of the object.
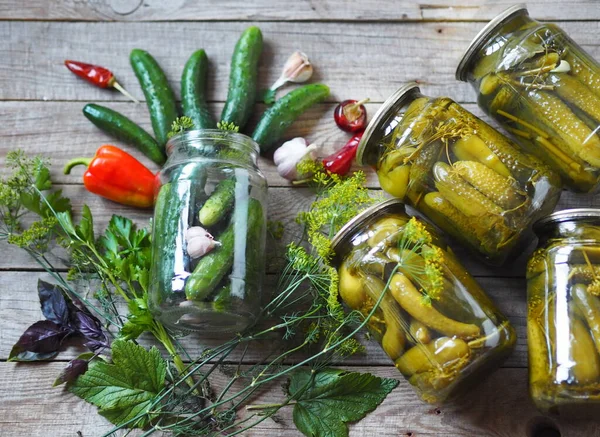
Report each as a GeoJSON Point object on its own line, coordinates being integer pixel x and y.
{"type": "Point", "coordinates": [344, 232]}
{"type": "Point", "coordinates": [388, 109]}
{"type": "Point", "coordinates": [567, 215]}
{"type": "Point", "coordinates": [481, 37]}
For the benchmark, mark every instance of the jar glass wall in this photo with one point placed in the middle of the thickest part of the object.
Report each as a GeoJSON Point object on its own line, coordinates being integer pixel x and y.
{"type": "Point", "coordinates": [563, 323]}
{"type": "Point", "coordinates": [433, 319]}
{"type": "Point", "coordinates": [463, 175]}
{"type": "Point", "coordinates": [211, 185]}
{"type": "Point", "coordinates": [543, 88]}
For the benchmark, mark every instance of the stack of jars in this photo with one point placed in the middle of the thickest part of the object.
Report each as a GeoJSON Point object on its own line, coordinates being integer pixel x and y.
{"type": "Point", "coordinates": [492, 194]}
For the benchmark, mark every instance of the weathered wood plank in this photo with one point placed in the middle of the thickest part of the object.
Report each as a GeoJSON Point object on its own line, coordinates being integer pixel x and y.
{"type": "Point", "coordinates": [265, 10]}
{"type": "Point", "coordinates": [29, 406]}
{"type": "Point", "coordinates": [19, 308]}
{"type": "Point", "coordinates": [356, 59]}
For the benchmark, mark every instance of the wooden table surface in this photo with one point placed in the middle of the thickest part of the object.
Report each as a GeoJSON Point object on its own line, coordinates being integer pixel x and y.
{"type": "Point", "coordinates": [365, 48]}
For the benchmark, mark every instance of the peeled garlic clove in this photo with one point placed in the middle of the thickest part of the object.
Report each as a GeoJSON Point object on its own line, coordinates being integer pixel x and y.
{"type": "Point", "coordinates": [196, 231]}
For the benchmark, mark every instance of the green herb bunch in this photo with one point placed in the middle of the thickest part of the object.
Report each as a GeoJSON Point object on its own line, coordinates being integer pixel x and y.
{"type": "Point", "coordinates": [134, 387]}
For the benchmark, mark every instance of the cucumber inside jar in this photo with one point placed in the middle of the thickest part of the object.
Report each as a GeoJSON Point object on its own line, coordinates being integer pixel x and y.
{"type": "Point", "coordinates": [219, 285]}
{"type": "Point", "coordinates": [546, 91]}
{"type": "Point", "coordinates": [466, 177]}
{"type": "Point", "coordinates": [437, 330]}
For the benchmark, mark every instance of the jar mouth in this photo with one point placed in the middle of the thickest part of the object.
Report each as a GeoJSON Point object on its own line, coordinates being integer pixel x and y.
{"type": "Point", "coordinates": [481, 38]}
{"type": "Point", "coordinates": [566, 215]}
{"type": "Point", "coordinates": [239, 141]}
{"type": "Point", "coordinates": [388, 109]}
{"type": "Point", "coordinates": [342, 235]}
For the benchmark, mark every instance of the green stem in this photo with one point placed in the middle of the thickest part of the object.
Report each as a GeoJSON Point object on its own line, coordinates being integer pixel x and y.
{"type": "Point", "coordinates": [75, 162]}
{"type": "Point", "coordinates": [268, 406]}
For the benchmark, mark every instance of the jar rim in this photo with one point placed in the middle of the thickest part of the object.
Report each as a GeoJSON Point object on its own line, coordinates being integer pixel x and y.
{"type": "Point", "coordinates": [237, 138]}
{"type": "Point", "coordinates": [566, 215]}
{"type": "Point", "coordinates": [392, 104]}
{"type": "Point", "coordinates": [481, 37]}
{"type": "Point", "coordinates": [355, 221]}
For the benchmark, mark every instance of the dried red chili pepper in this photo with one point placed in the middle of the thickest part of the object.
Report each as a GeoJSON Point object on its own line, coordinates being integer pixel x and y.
{"type": "Point", "coordinates": [99, 76]}
{"type": "Point", "coordinates": [117, 176]}
{"type": "Point", "coordinates": [340, 162]}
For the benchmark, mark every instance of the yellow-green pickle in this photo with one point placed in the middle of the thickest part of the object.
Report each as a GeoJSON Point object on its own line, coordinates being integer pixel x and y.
{"type": "Point", "coordinates": [430, 316]}
{"type": "Point", "coordinates": [543, 88]}
{"type": "Point", "coordinates": [463, 175]}
{"type": "Point", "coordinates": [563, 320]}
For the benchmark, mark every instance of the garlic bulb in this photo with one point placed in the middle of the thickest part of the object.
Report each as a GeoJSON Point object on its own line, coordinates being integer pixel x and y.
{"type": "Point", "coordinates": [199, 241]}
{"type": "Point", "coordinates": [290, 154]}
{"type": "Point", "coordinates": [297, 69]}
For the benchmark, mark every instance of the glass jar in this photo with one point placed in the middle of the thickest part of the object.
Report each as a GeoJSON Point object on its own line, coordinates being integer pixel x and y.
{"type": "Point", "coordinates": [433, 319]}
{"type": "Point", "coordinates": [543, 88]}
{"type": "Point", "coordinates": [463, 175]}
{"type": "Point", "coordinates": [210, 187]}
{"type": "Point", "coordinates": [563, 319]}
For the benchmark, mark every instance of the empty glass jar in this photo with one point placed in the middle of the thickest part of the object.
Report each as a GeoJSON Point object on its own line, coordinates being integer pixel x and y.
{"type": "Point", "coordinates": [463, 175]}
{"type": "Point", "coordinates": [209, 233]}
{"type": "Point", "coordinates": [543, 88]}
{"type": "Point", "coordinates": [432, 319]}
{"type": "Point", "coordinates": [563, 321]}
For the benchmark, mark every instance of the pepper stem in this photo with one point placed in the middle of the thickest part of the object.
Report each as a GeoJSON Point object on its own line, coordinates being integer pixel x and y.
{"type": "Point", "coordinates": [116, 85]}
{"type": "Point", "coordinates": [75, 162]}
{"type": "Point", "coordinates": [352, 111]}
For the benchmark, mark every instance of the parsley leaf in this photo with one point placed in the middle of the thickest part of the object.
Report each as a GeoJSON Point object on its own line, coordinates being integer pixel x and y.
{"type": "Point", "coordinates": [127, 387]}
{"type": "Point", "coordinates": [327, 400]}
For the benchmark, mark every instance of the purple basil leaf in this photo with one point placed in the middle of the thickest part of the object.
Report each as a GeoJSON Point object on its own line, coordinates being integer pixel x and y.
{"type": "Point", "coordinates": [70, 373]}
{"type": "Point", "coordinates": [53, 303]}
{"type": "Point", "coordinates": [40, 341]}
{"type": "Point", "coordinates": [91, 328]}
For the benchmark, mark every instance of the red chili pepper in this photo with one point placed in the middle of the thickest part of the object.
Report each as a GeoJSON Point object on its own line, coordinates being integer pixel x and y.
{"type": "Point", "coordinates": [341, 161]}
{"type": "Point", "coordinates": [117, 176]}
{"type": "Point", "coordinates": [99, 76]}
{"type": "Point", "coordinates": [351, 115]}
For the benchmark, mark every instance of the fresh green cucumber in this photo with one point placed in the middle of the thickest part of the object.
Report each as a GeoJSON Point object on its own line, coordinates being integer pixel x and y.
{"type": "Point", "coordinates": [159, 95]}
{"type": "Point", "coordinates": [213, 267]}
{"type": "Point", "coordinates": [222, 299]}
{"type": "Point", "coordinates": [285, 111]}
{"type": "Point", "coordinates": [166, 224]}
{"type": "Point", "coordinates": [243, 78]}
{"type": "Point", "coordinates": [218, 204]}
{"type": "Point", "coordinates": [117, 125]}
{"type": "Point", "coordinates": [193, 91]}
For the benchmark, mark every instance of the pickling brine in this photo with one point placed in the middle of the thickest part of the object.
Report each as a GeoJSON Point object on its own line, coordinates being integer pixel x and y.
{"type": "Point", "coordinates": [463, 175]}
{"type": "Point", "coordinates": [543, 88]}
{"type": "Point", "coordinates": [209, 234]}
{"type": "Point", "coordinates": [563, 320]}
{"type": "Point", "coordinates": [431, 317]}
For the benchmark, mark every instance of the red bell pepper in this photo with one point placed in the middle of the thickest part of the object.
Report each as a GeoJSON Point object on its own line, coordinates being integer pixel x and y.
{"type": "Point", "coordinates": [117, 176]}
{"type": "Point", "coordinates": [340, 162]}
{"type": "Point", "coordinates": [97, 75]}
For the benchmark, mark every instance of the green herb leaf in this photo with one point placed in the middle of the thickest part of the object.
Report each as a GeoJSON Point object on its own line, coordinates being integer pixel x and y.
{"type": "Point", "coordinates": [329, 399]}
{"type": "Point", "coordinates": [85, 229]}
{"type": "Point", "coordinates": [139, 319]}
{"type": "Point", "coordinates": [127, 387]}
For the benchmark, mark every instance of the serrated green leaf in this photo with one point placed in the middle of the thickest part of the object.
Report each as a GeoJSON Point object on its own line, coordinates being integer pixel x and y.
{"type": "Point", "coordinates": [327, 400]}
{"type": "Point", "coordinates": [139, 319]}
{"type": "Point", "coordinates": [85, 229]}
{"type": "Point", "coordinates": [58, 203]}
{"type": "Point", "coordinates": [64, 219]}
{"type": "Point", "coordinates": [127, 387]}
{"type": "Point", "coordinates": [42, 177]}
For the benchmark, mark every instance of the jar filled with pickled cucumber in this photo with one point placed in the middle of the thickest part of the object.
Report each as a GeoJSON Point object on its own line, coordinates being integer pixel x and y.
{"type": "Point", "coordinates": [428, 314]}
{"type": "Point", "coordinates": [563, 319]}
{"type": "Point", "coordinates": [463, 175]}
{"type": "Point", "coordinates": [209, 233]}
{"type": "Point", "coordinates": [543, 88]}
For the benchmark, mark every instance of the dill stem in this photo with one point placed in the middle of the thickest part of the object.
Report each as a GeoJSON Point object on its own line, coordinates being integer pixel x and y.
{"type": "Point", "coordinates": [268, 406]}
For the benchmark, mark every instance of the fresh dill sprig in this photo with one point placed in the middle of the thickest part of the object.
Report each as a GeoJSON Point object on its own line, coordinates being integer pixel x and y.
{"type": "Point", "coordinates": [228, 126]}
{"type": "Point", "coordinates": [179, 125]}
